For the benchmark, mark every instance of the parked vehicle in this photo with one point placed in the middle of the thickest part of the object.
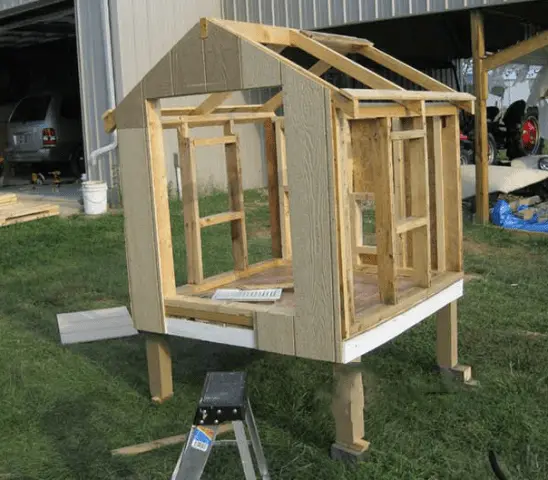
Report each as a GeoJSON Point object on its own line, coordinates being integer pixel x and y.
{"type": "Point", "coordinates": [516, 130]}
{"type": "Point", "coordinates": [46, 128]}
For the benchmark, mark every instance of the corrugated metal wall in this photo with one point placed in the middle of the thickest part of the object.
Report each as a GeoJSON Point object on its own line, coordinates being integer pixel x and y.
{"type": "Point", "coordinates": [312, 14]}
{"type": "Point", "coordinates": [93, 92]}
{"type": "Point", "coordinates": [144, 31]}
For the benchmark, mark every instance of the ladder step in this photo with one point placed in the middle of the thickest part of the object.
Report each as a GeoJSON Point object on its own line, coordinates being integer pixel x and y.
{"type": "Point", "coordinates": [220, 218]}
{"type": "Point", "coordinates": [204, 142]}
{"type": "Point", "coordinates": [410, 223]}
{"type": "Point", "coordinates": [366, 250]}
{"type": "Point", "coordinates": [407, 135]}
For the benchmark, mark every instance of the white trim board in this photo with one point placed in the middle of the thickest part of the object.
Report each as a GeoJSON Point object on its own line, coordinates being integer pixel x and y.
{"type": "Point", "coordinates": [374, 338]}
{"type": "Point", "coordinates": [352, 349]}
{"type": "Point", "coordinates": [238, 337]}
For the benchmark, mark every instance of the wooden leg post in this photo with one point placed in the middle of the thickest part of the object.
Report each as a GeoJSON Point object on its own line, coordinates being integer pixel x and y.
{"type": "Point", "coordinates": [159, 368]}
{"type": "Point", "coordinates": [347, 408]}
{"type": "Point", "coordinates": [447, 345]}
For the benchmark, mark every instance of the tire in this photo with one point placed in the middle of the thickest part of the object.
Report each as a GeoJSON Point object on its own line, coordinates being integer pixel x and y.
{"type": "Point", "coordinates": [526, 140]}
{"type": "Point", "coordinates": [8, 173]}
{"type": "Point", "coordinates": [77, 162]}
{"type": "Point", "coordinates": [466, 157]}
{"type": "Point", "coordinates": [492, 150]}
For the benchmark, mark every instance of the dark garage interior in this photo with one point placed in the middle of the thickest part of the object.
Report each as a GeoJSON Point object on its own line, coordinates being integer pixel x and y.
{"type": "Point", "coordinates": [38, 56]}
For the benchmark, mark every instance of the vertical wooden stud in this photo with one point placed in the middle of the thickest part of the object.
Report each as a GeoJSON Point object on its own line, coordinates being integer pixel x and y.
{"type": "Point", "coordinates": [191, 211]}
{"type": "Point", "coordinates": [236, 199]}
{"type": "Point", "coordinates": [438, 195]}
{"type": "Point", "coordinates": [159, 368]}
{"type": "Point", "coordinates": [160, 197]}
{"type": "Point", "coordinates": [420, 204]}
{"type": "Point", "coordinates": [480, 134]}
{"type": "Point", "coordinates": [400, 194]}
{"type": "Point", "coordinates": [357, 231]}
{"type": "Point", "coordinates": [343, 175]}
{"type": "Point", "coordinates": [283, 189]}
{"type": "Point", "coordinates": [385, 212]}
{"type": "Point", "coordinates": [273, 188]}
{"type": "Point", "coordinates": [452, 193]}
{"type": "Point", "coordinates": [348, 410]}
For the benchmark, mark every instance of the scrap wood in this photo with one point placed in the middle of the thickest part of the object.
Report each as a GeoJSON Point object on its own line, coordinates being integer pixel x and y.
{"type": "Point", "coordinates": [8, 198]}
{"type": "Point", "coordinates": [527, 202]}
{"type": "Point", "coordinates": [162, 442]}
{"type": "Point", "coordinates": [25, 211]}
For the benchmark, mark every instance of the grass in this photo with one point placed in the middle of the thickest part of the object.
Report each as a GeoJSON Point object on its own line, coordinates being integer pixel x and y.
{"type": "Point", "coordinates": [62, 409]}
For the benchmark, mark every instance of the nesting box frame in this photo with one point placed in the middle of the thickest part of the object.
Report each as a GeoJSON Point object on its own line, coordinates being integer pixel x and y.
{"type": "Point", "coordinates": [332, 150]}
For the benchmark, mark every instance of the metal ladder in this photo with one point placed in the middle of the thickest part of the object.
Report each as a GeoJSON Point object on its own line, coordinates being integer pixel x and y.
{"type": "Point", "coordinates": [223, 400]}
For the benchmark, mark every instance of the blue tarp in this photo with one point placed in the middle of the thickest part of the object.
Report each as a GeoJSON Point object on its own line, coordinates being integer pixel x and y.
{"type": "Point", "coordinates": [502, 216]}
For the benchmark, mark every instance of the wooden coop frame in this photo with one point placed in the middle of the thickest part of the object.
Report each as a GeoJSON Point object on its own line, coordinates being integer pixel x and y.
{"type": "Point", "coordinates": [332, 149]}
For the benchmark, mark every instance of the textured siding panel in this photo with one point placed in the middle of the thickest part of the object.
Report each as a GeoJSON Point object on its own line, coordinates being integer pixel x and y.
{"type": "Point", "coordinates": [313, 14]}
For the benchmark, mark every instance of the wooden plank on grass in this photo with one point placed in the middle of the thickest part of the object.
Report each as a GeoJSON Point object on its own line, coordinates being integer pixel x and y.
{"type": "Point", "coordinates": [162, 442]}
{"type": "Point", "coordinates": [8, 198]}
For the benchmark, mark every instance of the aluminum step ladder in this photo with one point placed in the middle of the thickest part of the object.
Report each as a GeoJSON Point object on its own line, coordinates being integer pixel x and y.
{"type": "Point", "coordinates": [223, 400]}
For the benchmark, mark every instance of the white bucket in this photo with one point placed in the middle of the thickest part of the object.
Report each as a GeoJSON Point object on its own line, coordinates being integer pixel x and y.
{"type": "Point", "coordinates": [94, 194]}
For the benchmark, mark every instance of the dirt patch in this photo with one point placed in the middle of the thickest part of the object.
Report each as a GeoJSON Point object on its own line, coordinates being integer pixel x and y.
{"type": "Point", "coordinates": [471, 246]}
{"type": "Point", "coordinates": [260, 233]}
{"type": "Point", "coordinates": [469, 277]}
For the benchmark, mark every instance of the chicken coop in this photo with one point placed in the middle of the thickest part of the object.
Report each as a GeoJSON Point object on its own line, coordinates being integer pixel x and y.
{"type": "Point", "coordinates": [364, 196]}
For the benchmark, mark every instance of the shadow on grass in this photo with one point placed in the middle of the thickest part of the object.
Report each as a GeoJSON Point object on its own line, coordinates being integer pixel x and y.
{"type": "Point", "coordinates": [80, 444]}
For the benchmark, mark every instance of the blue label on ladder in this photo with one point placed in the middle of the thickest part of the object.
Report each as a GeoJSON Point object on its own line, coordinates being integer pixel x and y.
{"type": "Point", "coordinates": [202, 439]}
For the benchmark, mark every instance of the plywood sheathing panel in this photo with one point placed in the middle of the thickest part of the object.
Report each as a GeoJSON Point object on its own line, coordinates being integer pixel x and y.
{"type": "Point", "coordinates": [258, 68]}
{"type": "Point", "coordinates": [158, 83]}
{"type": "Point", "coordinates": [140, 232]}
{"type": "Point", "coordinates": [131, 111]}
{"type": "Point", "coordinates": [275, 330]}
{"type": "Point", "coordinates": [222, 60]}
{"type": "Point", "coordinates": [313, 230]}
{"type": "Point", "coordinates": [188, 64]}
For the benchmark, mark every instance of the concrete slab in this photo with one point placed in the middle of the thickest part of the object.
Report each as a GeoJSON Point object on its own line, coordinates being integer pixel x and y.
{"type": "Point", "coordinates": [501, 179]}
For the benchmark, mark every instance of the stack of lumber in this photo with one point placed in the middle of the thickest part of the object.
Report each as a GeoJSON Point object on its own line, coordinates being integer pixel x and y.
{"type": "Point", "coordinates": [535, 206]}
{"type": "Point", "coordinates": [12, 210]}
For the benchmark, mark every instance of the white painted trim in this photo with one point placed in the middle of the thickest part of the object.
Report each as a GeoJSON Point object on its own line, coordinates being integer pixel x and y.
{"type": "Point", "coordinates": [239, 337]}
{"type": "Point", "coordinates": [368, 341]}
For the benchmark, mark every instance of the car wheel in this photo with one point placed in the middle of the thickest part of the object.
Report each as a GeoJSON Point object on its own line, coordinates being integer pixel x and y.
{"type": "Point", "coordinates": [526, 140]}
{"type": "Point", "coordinates": [77, 162]}
{"type": "Point", "coordinates": [466, 157]}
{"type": "Point", "coordinates": [492, 151]}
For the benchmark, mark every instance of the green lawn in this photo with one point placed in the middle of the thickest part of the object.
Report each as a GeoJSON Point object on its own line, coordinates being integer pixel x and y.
{"type": "Point", "coordinates": [62, 409]}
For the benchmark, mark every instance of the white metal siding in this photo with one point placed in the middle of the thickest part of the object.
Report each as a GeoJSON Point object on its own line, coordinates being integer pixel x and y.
{"type": "Point", "coordinates": [312, 14]}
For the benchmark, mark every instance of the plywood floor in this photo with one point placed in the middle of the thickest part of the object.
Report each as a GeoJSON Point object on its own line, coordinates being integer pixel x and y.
{"type": "Point", "coordinates": [365, 286]}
